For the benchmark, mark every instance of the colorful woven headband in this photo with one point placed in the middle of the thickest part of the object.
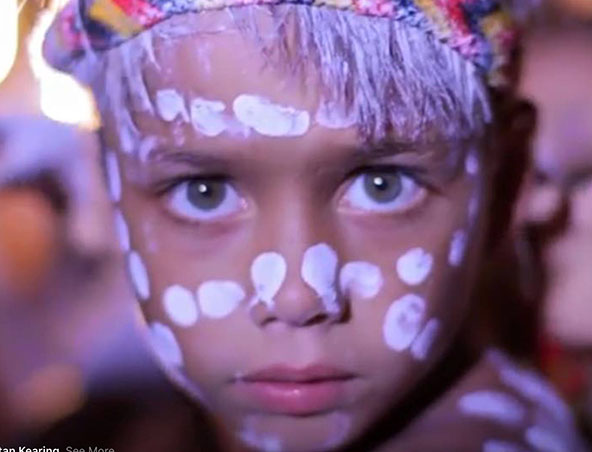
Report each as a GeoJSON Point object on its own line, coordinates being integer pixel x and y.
{"type": "Point", "coordinates": [480, 30]}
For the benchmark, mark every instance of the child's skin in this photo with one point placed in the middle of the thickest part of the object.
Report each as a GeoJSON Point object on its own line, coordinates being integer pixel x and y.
{"type": "Point", "coordinates": [287, 195]}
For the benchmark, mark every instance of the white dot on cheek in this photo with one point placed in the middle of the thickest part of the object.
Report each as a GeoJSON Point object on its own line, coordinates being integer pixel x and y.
{"type": "Point", "coordinates": [113, 176]}
{"type": "Point", "coordinates": [403, 321]}
{"type": "Point", "coordinates": [180, 306]}
{"type": "Point", "coordinates": [361, 279]}
{"type": "Point", "coordinates": [472, 166]}
{"type": "Point", "coordinates": [268, 273]}
{"type": "Point", "coordinates": [122, 231]}
{"type": "Point", "coordinates": [457, 248]}
{"type": "Point", "coordinates": [544, 440]}
{"type": "Point", "coordinates": [218, 299]}
{"type": "Point", "coordinates": [165, 345]}
{"type": "Point", "coordinates": [138, 275]}
{"type": "Point", "coordinates": [319, 271]}
{"type": "Point", "coordinates": [415, 266]}
{"type": "Point", "coordinates": [422, 345]}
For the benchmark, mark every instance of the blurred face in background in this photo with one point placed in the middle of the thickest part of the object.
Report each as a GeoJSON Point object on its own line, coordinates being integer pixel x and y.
{"type": "Point", "coordinates": [558, 75]}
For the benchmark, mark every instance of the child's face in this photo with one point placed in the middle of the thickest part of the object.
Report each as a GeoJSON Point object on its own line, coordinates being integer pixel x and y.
{"type": "Point", "coordinates": [304, 283]}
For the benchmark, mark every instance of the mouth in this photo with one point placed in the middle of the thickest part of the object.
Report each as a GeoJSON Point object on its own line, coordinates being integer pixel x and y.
{"type": "Point", "coordinates": [297, 392]}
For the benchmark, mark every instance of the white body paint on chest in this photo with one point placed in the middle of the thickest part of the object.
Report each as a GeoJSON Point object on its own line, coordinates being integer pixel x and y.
{"type": "Point", "coordinates": [458, 247]}
{"type": "Point", "coordinates": [165, 345]}
{"type": "Point", "coordinates": [319, 271]}
{"type": "Point", "coordinates": [270, 119]}
{"type": "Point", "coordinates": [268, 273]}
{"type": "Point", "coordinates": [122, 231]}
{"type": "Point", "coordinates": [180, 305]}
{"type": "Point", "coordinates": [208, 117]}
{"type": "Point", "coordinates": [360, 279]}
{"type": "Point", "coordinates": [218, 299]}
{"type": "Point", "coordinates": [493, 405]}
{"type": "Point", "coordinates": [113, 176]}
{"type": "Point", "coordinates": [170, 105]}
{"type": "Point", "coordinates": [415, 266]}
{"type": "Point", "coordinates": [333, 117]}
{"type": "Point", "coordinates": [544, 441]}
{"type": "Point", "coordinates": [138, 275]}
{"type": "Point", "coordinates": [403, 322]}
{"type": "Point", "coordinates": [423, 343]}
{"type": "Point", "coordinates": [494, 445]}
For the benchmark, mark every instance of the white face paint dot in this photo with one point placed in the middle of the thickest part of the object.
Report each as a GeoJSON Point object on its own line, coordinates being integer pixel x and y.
{"type": "Point", "coordinates": [165, 345]}
{"type": "Point", "coordinates": [319, 271]}
{"type": "Point", "coordinates": [180, 305]}
{"type": "Point", "coordinates": [544, 440]}
{"type": "Point", "coordinates": [494, 445]}
{"type": "Point", "coordinates": [492, 405]}
{"type": "Point", "coordinates": [207, 116]}
{"type": "Point", "coordinates": [458, 246]}
{"type": "Point", "coordinates": [360, 279]}
{"type": "Point", "coordinates": [422, 345]}
{"type": "Point", "coordinates": [403, 321]}
{"type": "Point", "coordinates": [122, 231]}
{"type": "Point", "coordinates": [218, 299]}
{"type": "Point", "coordinates": [170, 105]}
{"type": "Point", "coordinates": [415, 266]}
{"type": "Point", "coordinates": [340, 430]}
{"type": "Point", "coordinates": [270, 119]}
{"type": "Point", "coordinates": [113, 176]}
{"type": "Point", "coordinates": [268, 273]}
{"type": "Point", "coordinates": [138, 275]}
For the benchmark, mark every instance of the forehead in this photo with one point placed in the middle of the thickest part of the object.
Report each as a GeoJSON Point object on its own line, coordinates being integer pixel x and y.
{"type": "Point", "coordinates": [221, 62]}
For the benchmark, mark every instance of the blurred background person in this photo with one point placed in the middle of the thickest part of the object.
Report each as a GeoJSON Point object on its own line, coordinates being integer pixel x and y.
{"type": "Point", "coordinates": [555, 214]}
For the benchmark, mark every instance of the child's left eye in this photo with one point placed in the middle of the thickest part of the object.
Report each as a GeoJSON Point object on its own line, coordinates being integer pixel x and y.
{"type": "Point", "coordinates": [204, 200]}
{"type": "Point", "coordinates": [382, 191]}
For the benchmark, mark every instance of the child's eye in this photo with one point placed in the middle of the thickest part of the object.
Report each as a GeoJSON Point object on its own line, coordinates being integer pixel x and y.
{"type": "Point", "coordinates": [204, 200]}
{"type": "Point", "coordinates": [383, 191]}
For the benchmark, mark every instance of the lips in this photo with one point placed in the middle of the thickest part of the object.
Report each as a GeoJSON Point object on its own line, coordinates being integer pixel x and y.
{"type": "Point", "coordinates": [297, 392]}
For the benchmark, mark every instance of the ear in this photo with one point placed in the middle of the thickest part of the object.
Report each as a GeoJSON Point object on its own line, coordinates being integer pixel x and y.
{"type": "Point", "coordinates": [514, 137]}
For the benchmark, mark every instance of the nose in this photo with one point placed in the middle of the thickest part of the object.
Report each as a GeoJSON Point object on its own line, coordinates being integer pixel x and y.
{"type": "Point", "coordinates": [306, 288]}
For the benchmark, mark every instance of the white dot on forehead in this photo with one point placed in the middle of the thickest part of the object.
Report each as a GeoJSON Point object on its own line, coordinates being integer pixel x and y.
{"type": "Point", "coordinates": [493, 405]}
{"type": "Point", "coordinates": [170, 105]}
{"type": "Point", "coordinates": [113, 176]}
{"type": "Point", "coordinates": [122, 231]}
{"type": "Point", "coordinates": [139, 275]}
{"type": "Point", "coordinates": [544, 440]}
{"type": "Point", "coordinates": [270, 119]}
{"type": "Point", "coordinates": [361, 279]}
{"type": "Point", "coordinates": [207, 116]}
{"type": "Point", "coordinates": [403, 321]}
{"type": "Point", "coordinates": [494, 445]}
{"type": "Point", "coordinates": [165, 345]}
{"type": "Point", "coordinates": [268, 273]}
{"type": "Point", "coordinates": [180, 306]}
{"type": "Point", "coordinates": [415, 266]}
{"type": "Point", "coordinates": [218, 299]}
{"type": "Point", "coordinates": [319, 271]}
{"type": "Point", "coordinates": [458, 246]}
{"type": "Point", "coordinates": [423, 343]}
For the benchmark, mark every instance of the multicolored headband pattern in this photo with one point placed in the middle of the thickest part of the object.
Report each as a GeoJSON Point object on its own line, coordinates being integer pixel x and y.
{"type": "Point", "coordinates": [480, 30]}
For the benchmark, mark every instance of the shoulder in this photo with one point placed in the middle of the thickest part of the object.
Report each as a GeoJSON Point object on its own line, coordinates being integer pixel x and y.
{"type": "Point", "coordinates": [499, 406]}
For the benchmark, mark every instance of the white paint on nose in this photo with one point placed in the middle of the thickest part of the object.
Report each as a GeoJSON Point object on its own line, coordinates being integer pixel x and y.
{"type": "Point", "coordinates": [319, 271]}
{"type": "Point", "coordinates": [268, 273]}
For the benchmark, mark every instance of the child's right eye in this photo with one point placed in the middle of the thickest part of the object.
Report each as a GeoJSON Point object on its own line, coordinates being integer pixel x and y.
{"type": "Point", "coordinates": [204, 199]}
